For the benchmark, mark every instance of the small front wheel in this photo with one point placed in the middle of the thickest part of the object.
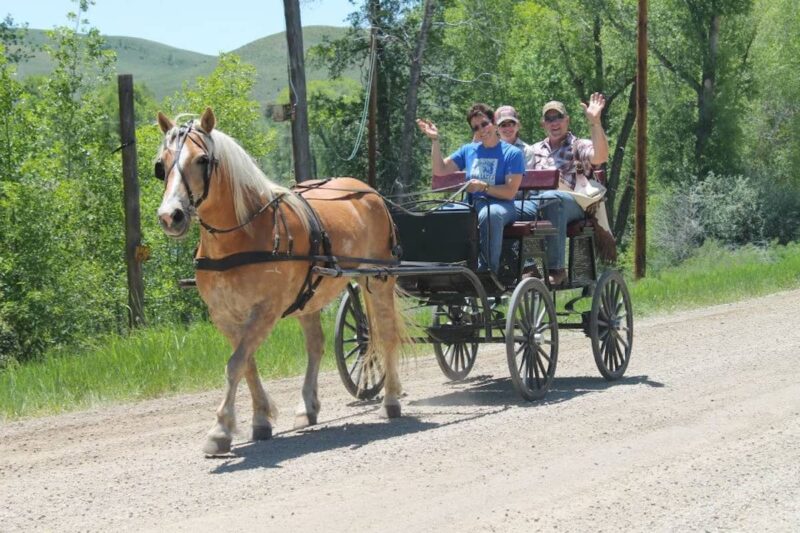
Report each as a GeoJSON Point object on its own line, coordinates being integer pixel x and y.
{"type": "Point", "coordinates": [611, 325]}
{"type": "Point", "coordinates": [361, 379]}
{"type": "Point", "coordinates": [531, 339]}
{"type": "Point", "coordinates": [457, 327]}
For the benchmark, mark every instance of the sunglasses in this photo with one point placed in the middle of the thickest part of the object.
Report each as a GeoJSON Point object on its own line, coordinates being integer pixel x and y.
{"type": "Point", "coordinates": [481, 125]}
{"type": "Point", "coordinates": [553, 118]}
{"type": "Point", "coordinates": [507, 124]}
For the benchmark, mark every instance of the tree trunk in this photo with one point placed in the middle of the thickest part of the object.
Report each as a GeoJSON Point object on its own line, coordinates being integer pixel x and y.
{"type": "Point", "coordinates": [407, 136]}
{"type": "Point", "coordinates": [615, 169]}
{"type": "Point", "coordinates": [705, 96]}
{"type": "Point", "coordinates": [624, 211]}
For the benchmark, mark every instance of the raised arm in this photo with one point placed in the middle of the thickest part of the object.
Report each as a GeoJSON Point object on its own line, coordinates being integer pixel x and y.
{"type": "Point", "coordinates": [439, 165]}
{"type": "Point", "coordinates": [593, 112]}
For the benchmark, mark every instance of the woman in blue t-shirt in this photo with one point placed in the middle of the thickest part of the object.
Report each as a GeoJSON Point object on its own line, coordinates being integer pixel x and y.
{"type": "Point", "coordinates": [494, 171]}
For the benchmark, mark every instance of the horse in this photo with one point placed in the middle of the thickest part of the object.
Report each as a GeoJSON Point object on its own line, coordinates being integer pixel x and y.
{"type": "Point", "coordinates": [258, 242]}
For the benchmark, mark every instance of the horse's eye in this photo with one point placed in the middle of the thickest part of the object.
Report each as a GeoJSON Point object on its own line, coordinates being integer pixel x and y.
{"type": "Point", "coordinates": [159, 170]}
{"type": "Point", "coordinates": [202, 160]}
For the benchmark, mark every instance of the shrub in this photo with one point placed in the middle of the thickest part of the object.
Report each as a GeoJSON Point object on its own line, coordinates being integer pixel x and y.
{"type": "Point", "coordinates": [730, 209]}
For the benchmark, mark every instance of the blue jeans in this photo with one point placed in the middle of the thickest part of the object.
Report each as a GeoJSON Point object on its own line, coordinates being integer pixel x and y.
{"type": "Point", "coordinates": [493, 216]}
{"type": "Point", "coordinates": [560, 213]}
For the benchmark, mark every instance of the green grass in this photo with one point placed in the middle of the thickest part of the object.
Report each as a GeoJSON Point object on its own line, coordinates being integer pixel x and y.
{"type": "Point", "coordinates": [161, 361]}
{"type": "Point", "coordinates": [716, 275]}
{"type": "Point", "coordinates": [149, 363]}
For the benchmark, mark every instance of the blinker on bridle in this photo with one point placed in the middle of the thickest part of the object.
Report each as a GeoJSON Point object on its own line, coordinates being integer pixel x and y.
{"type": "Point", "coordinates": [209, 161]}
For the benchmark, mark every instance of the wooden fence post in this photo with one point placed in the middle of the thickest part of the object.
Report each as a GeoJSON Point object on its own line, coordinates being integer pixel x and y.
{"type": "Point", "coordinates": [297, 91]}
{"type": "Point", "coordinates": [133, 230]}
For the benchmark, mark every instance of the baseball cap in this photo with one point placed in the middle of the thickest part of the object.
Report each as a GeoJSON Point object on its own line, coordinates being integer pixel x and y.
{"type": "Point", "coordinates": [554, 105]}
{"type": "Point", "coordinates": [504, 113]}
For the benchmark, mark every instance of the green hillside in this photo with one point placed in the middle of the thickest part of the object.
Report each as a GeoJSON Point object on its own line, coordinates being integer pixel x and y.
{"type": "Point", "coordinates": [165, 69]}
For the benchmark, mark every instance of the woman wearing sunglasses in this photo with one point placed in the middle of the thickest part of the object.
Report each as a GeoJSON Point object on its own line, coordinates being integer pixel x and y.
{"type": "Point", "coordinates": [494, 171]}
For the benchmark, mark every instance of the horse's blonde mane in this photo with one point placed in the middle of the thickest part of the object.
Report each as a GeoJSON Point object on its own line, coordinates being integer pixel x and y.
{"type": "Point", "coordinates": [251, 188]}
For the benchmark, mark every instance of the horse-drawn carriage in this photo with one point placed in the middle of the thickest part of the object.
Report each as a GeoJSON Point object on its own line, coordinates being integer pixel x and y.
{"type": "Point", "coordinates": [515, 307]}
{"type": "Point", "coordinates": [267, 252]}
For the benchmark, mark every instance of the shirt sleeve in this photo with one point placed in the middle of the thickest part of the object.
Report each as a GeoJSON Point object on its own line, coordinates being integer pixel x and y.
{"type": "Point", "coordinates": [459, 157]}
{"type": "Point", "coordinates": [515, 163]}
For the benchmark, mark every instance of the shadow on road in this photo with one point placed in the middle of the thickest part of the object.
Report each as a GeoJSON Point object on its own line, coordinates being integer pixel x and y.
{"type": "Point", "coordinates": [478, 391]}
{"type": "Point", "coordinates": [486, 390]}
{"type": "Point", "coordinates": [293, 444]}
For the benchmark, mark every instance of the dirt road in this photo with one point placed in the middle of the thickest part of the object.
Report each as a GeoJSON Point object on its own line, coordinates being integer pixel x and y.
{"type": "Point", "coordinates": [703, 433]}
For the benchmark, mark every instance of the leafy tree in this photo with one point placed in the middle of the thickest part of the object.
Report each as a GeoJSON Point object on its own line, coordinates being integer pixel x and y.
{"type": "Point", "coordinates": [60, 270]}
{"type": "Point", "coordinates": [702, 75]}
{"type": "Point", "coordinates": [771, 118]}
{"type": "Point", "coordinates": [399, 24]}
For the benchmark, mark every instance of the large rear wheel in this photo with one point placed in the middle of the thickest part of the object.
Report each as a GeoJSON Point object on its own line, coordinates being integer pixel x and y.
{"type": "Point", "coordinates": [531, 339]}
{"type": "Point", "coordinates": [611, 325]}
{"type": "Point", "coordinates": [361, 378]}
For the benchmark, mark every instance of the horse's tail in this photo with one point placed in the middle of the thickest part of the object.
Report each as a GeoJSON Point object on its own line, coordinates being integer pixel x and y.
{"type": "Point", "coordinates": [388, 331]}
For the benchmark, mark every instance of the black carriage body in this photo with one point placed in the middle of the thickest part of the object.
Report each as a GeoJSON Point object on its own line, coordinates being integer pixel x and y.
{"type": "Point", "coordinates": [439, 236]}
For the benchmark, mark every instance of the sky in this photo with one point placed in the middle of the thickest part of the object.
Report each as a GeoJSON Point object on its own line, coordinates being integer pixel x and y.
{"type": "Point", "coordinates": [205, 26]}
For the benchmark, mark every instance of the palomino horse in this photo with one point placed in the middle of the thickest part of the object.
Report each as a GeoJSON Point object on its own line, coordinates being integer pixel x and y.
{"type": "Point", "coordinates": [258, 241]}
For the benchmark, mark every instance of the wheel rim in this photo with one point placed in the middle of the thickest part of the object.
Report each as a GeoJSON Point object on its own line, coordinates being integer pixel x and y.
{"type": "Point", "coordinates": [611, 326]}
{"type": "Point", "coordinates": [363, 380]}
{"type": "Point", "coordinates": [532, 339]}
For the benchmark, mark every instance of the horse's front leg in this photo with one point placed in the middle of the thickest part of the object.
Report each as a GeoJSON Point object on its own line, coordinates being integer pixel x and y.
{"type": "Point", "coordinates": [308, 409]}
{"type": "Point", "coordinates": [242, 363]}
{"type": "Point", "coordinates": [219, 437]}
{"type": "Point", "coordinates": [265, 412]}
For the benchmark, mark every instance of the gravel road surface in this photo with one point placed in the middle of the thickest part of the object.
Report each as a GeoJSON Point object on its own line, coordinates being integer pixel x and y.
{"type": "Point", "coordinates": [703, 433]}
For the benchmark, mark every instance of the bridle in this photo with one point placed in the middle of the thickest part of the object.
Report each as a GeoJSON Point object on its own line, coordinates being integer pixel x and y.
{"type": "Point", "coordinates": [208, 159]}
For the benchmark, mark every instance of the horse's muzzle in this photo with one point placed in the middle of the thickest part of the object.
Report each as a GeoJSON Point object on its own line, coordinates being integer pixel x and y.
{"type": "Point", "coordinates": [174, 224]}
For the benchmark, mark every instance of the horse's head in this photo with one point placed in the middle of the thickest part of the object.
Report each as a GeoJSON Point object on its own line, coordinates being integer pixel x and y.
{"type": "Point", "coordinates": [185, 163]}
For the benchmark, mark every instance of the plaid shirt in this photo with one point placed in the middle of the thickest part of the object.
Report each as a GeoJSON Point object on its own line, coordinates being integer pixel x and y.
{"type": "Point", "coordinates": [540, 156]}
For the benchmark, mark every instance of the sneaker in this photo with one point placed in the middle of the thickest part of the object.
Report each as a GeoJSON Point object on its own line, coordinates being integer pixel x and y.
{"type": "Point", "coordinates": [557, 276]}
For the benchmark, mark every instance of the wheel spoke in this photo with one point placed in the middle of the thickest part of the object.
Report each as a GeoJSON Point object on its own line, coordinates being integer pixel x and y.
{"type": "Point", "coordinates": [543, 354]}
{"type": "Point", "coordinates": [350, 353]}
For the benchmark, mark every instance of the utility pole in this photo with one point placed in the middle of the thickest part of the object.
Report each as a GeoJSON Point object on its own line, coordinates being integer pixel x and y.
{"type": "Point", "coordinates": [135, 253]}
{"type": "Point", "coordinates": [372, 129]}
{"type": "Point", "coordinates": [297, 91]}
{"type": "Point", "coordinates": [640, 216]}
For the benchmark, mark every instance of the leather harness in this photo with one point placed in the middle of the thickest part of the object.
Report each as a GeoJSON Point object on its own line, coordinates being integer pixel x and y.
{"type": "Point", "coordinates": [317, 234]}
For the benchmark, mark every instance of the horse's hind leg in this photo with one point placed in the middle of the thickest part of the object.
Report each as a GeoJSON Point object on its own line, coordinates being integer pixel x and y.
{"type": "Point", "coordinates": [386, 334]}
{"type": "Point", "coordinates": [308, 409]}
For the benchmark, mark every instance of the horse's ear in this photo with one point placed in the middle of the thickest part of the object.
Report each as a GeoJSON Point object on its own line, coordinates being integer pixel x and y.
{"type": "Point", "coordinates": [208, 120]}
{"type": "Point", "coordinates": [165, 123]}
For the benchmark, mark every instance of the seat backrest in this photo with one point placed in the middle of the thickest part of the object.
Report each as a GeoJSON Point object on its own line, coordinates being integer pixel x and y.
{"type": "Point", "coordinates": [532, 180]}
{"type": "Point", "coordinates": [539, 180]}
{"type": "Point", "coordinates": [447, 182]}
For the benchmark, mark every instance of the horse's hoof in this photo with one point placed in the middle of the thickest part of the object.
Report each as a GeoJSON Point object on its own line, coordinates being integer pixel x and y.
{"type": "Point", "coordinates": [217, 446]}
{"type": "Point", "coordinates": [262, 432]}
{"type": "Point", "coordinates": [390, 411]}
{"type": "Point", "coordinates": [301, 421]}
